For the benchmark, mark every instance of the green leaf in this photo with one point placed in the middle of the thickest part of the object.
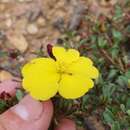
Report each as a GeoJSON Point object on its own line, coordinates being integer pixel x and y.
{"type": "Point", "coordinates": [108, 116]}
{"type": "Point", "coordinates": [3, 106]}
{"type": "Point", "coordinates": [85, 100]}
{"type": "Point", "coordinates": [102, 43]}
{"type": "Point", "coordinates": [128, 103]}
{"type": "Point", "coordinates": [128, 112]}
{"type": "Point", "coordinates": [128, 29]}
{"type": "Point", "coordinates": [2, 103]}
{"type": "Point", "coordinates": [116, 126]}
{"type": "Point", "coordinates": [117, 35]}
{"type": "Point", "coordinates": [70, 34]}
{"type": "Point", "coordinates": [83, 41]}
{"type": "Point", "coordinates": [122, 106]}
{"type": "Point", "coordinates": [114, 52]}
{"type": "Point", "coordinates": [108, 91]}
{"type": "Point", "coordinates": [122, 80]}
{"type": "Point", "coordinates": [93, 38]}
{"type": "Point", "coordinates": [3, 53]}
{"type": "Point", "coordinates": [118, 13]}
{"type": "Point", "coordinates": [127, 74]}
{"type": "Point", "coordinates": [112, 73]}
{"type": "Point", "coordinates": [19, 95]}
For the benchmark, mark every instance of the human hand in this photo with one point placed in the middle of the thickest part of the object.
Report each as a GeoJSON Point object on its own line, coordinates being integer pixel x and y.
{"type": "Point", "coordinates": [29, 114]}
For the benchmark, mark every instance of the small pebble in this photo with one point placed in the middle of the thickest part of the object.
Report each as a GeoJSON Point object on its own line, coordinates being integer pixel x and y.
{"type": "Point", "coordinates": [21, 59]}
{"type": "Point", "coordinates": [5, 75]}
{"type": "Point", "coordinates": [2, 7]}
{"type": "Point", "coordinates": [8, 22]}
{"type": "Point", "coordinates": [41, 22]}
{"type": "Point", "coordinates": [32, 29]}
{"type": "Point", "coordinates": [7, 15]}
{"type": "Point", "coordinates": [77, 38]}
{"type": "Point", "coordinates": [17, 40]}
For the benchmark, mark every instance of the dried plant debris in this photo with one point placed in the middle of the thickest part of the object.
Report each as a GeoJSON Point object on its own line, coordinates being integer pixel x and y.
{"type": "Point", "coordinates": [92, 123]}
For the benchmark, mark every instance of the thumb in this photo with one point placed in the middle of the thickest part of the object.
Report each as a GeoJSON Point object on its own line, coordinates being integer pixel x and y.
{"type": "Point", "coordinates": [29, 114]}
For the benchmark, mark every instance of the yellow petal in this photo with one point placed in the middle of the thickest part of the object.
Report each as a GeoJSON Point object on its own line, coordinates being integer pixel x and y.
{"type": "Point", "coordinates": [66, 56]}
{"type": "Point", "coordinates": [38, 65]}
{"type": "Point", "coordinates": [41, 86]}
{"type": "Point", "coordinates": [40, 78]}
{"type": "Point", "coordinates": [74, 86]}
{"type": "Point", "coordinates": [93, 72]}
{"type": "Point", "coordinates": [72, 55]}
{"type": "Point", "coordinates": [84, 66]}
{"type": "Point", "coordinates": [58, 52]}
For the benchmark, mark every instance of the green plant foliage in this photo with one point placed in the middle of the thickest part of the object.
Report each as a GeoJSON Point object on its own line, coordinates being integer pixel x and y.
{"type": "Point", "coordinates": [19, 94]}
{"type": "Point", "coordinates": [110, 97]}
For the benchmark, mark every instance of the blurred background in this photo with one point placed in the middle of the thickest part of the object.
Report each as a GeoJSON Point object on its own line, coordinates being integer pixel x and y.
{"type": "Point", "coordinates": [99, 29]}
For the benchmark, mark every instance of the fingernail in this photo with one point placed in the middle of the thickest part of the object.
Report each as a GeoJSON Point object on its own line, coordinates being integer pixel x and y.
{"type": "Point", "coordinates": [28, 109]}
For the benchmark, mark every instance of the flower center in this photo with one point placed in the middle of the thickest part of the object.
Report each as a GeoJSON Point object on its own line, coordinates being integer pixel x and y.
{"type": "Point", "coordinates": [63, 68]}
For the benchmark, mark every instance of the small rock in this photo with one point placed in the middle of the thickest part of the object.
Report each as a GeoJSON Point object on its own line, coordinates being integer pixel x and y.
{"type": "Point", "coordinates": [77, 38]}
{"type": "Point", "coordinates": [5, 75]}
{"type": "Point", "coordinates": [21, 59]}
{"type": "Point", "coordinates": [106, 3]}
{"type": "Point", "coordinates": [32, 29]}
{"type": "Point", "coordinates": [2, 7]}
{"type": "Point", "coordinates": [7, 15]}
{"type": "Point", "coordinates": [8, 22]}
{"type": "Point", "coordinates": [21, 24]}
{"type": "Point", "coordinates": [41, 22]}
{"type": "Point", "coordinates": [17, 40]}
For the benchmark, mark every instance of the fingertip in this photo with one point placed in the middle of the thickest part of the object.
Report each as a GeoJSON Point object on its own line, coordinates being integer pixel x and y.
{"type": "Point", "coordinates": [28, 114]}
{"type": "Point", "coordinates": [47, 114]}
{"type": "Point", "coordinates": [66, 124]}
{"type": "Point", "coordinates": [31, 109]}
{"type": "Point", "coordinates": [48, 106]}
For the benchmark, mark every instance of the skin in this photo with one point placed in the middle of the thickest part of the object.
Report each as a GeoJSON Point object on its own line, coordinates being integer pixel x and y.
{"type": "Point", "coordinates": [29, 114]}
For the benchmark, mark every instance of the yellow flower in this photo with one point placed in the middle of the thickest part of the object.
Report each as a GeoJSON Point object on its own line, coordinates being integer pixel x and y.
{"type": "Point", "coordinates": [70, 74]}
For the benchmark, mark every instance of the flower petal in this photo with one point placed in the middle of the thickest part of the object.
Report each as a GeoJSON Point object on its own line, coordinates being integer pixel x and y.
{"type": "Point", "coordinates": [74, 86]}
{"type": "Point", "coordinates": [72, 55]}
{"type": "Point", "coordinates": [40, 78]}
{"type": "Point", "coordinates": [66, 56]}
{"type": "Point", "coordinates": [58, 52]}
{"type": "Point", "coordinates": [39, 64]}
{"type": "Point", "coordinates": [93, 72]}
{"type": "Point", "coordinates": [41, 86]}
{"type": "Point", "coordinates": [84, 66]}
